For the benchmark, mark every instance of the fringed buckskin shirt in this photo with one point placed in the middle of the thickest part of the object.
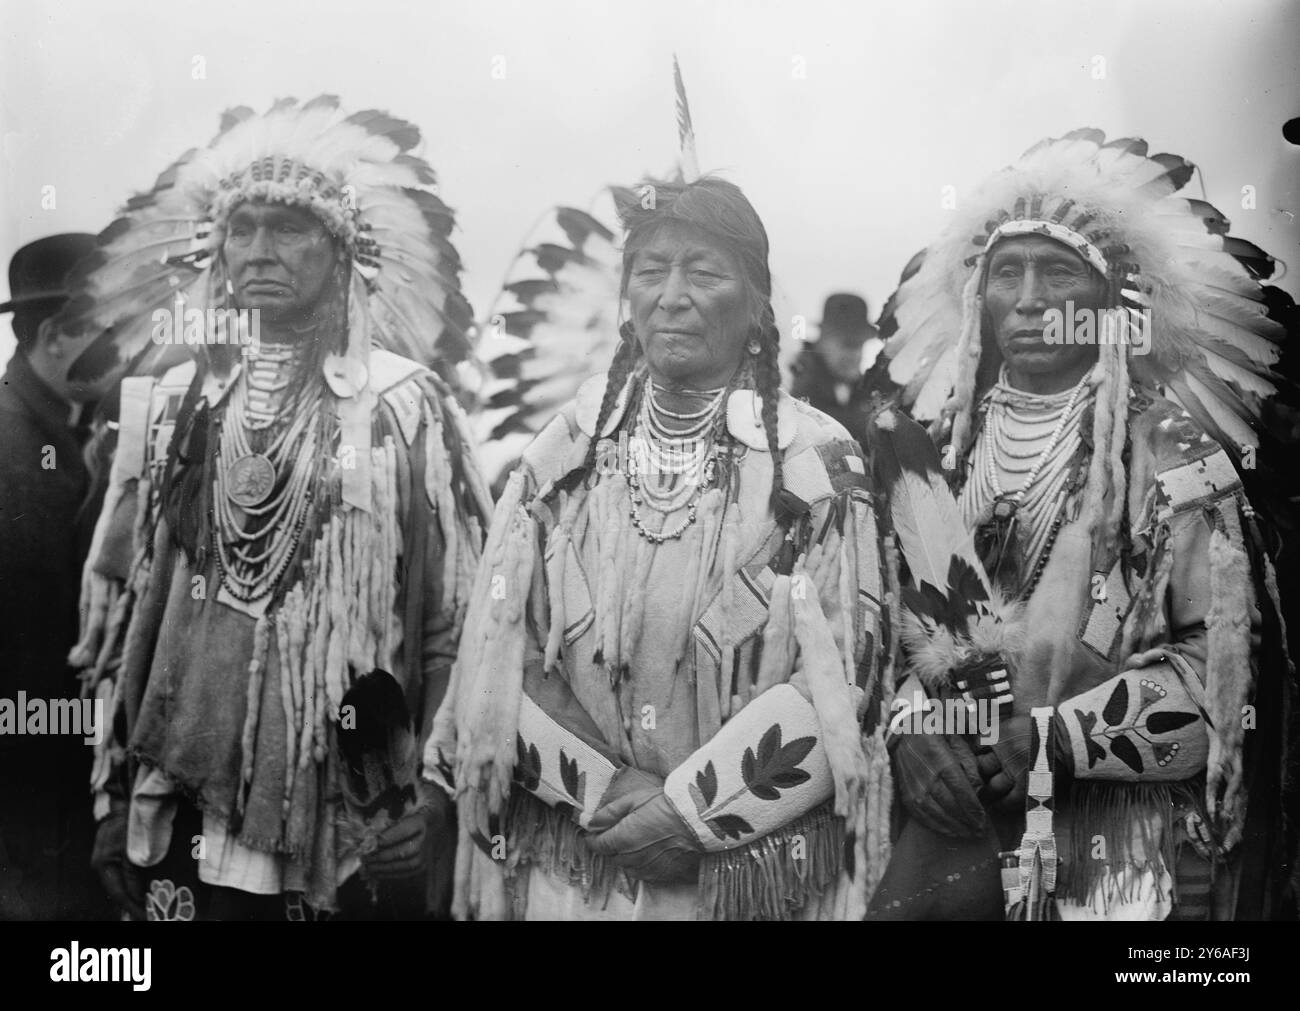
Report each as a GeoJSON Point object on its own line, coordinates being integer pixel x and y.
{"type": "Point", "coordinates": [203, 688]}
{"type": "Point", "coordinates": [588, 649]}
{"type": "Point", "coordinates": [1144, 740]}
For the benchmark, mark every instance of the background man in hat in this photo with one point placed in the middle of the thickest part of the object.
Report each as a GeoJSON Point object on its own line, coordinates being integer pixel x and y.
{"type": "Point", "coordinates": [45, 822]}
{"type": "Point", "coordinates": [827, 372]}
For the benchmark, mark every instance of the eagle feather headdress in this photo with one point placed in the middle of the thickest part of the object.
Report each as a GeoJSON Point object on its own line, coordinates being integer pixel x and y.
{"type": "Point", "coordinates": [554, 323]}
{"type": "Point", "coordinates": [1216, 331]}
{"type": "Point", "coordinates": [356, 173]}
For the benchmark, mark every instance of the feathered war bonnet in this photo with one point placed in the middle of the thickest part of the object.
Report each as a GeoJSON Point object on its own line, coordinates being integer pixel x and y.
{"type": "Point", "coordinates": [1213, 345]}
{"type": "Point", "coordinates": [1214, 329]}
{"type": "Point", "coordinates": [356, 173]}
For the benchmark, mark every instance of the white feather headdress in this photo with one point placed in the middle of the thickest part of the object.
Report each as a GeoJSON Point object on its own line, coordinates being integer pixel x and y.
{"type": "Point", "coordinates": [1213, 332]}
{"type": "Point", "coordinates": [356, 173]}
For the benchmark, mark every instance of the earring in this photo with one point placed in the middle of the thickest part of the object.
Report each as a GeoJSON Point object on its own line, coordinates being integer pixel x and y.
{"type": "Point", "coordinates": [754, 347]}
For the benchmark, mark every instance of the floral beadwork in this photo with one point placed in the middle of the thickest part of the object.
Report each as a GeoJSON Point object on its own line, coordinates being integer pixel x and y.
{"type": "Point", "coordinates": [167, 902]}
{"type": "Point", "coordinates": [1115, 731]}
{"type": "Point", "coordinates": [773, 768]}
{"type": "Point", "coordinates": [571, 792]}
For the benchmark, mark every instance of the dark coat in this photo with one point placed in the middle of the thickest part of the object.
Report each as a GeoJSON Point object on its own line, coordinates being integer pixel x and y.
{"type": "Point", "coordinates": [814, 384]}
{"type": "Point", "coordinates": [45, 820]}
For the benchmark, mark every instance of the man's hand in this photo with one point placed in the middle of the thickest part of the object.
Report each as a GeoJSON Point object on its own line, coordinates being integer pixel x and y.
{"type": "Point", "coordinates": [1004, 767]}
{"type": "Point", "coordinates": [938, 779]}
{"type": "Point", "coordinates": [643, 834]}
{"type": "Point", "coordinates": [407, 846]}
{"type": "Point", "coordinates": [123, 883]}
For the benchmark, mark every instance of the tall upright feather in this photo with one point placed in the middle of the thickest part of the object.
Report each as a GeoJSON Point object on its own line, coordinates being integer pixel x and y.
{"type": "Point", "coordinates": [690, 163]}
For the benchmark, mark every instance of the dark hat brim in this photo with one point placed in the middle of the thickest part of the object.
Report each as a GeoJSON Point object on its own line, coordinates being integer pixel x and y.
{"type": "Point", "coordinates": [863, 332]}
{"type": "Point", "coordinates": [35, 298]}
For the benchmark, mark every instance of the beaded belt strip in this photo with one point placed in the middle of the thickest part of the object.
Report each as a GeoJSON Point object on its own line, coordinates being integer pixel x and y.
{"type": "Point", "coordinates": [1032, 878]}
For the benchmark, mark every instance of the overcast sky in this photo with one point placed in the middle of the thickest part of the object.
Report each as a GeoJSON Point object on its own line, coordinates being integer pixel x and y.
{"type": "Point", "coordinates": [842, 121]}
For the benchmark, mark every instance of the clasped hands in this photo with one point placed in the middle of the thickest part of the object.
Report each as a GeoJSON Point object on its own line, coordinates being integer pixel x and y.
{"type": "Point", "coordinates": [641, 832]}
{"type": "Point", "coordinates": [950, 784]}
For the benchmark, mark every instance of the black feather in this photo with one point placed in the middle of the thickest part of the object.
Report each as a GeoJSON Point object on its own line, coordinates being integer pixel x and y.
{"type": "Point", "coordinates": [1211, 216]}
{"type": "Point", "coordinates": [1087, 133]}
{"type": "Point", "coordinates": [232, 118]}
{"type": "Point", "coordinates": [1131, 145]}
{"type": "Point", "coordinates": [1178, 171]}
{"type": "Point", "coordinates": [405, 135]}
{"type": "Point", "coordinates": [421, 168]}
{"type": "Point", "coordinates": [553, 258]}
{"type": "Point", "coordinates": [1255, 260]}
{"type": "Point", "coordinates": [532, 288]}
{"type": "Point", "coordinates": [579, 226]}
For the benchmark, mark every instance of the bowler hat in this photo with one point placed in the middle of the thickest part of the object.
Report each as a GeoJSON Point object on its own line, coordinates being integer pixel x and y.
{"type": "Point", "coordinates": [845, 315]}
{"type": "Point", "coordinates": [38, 271]}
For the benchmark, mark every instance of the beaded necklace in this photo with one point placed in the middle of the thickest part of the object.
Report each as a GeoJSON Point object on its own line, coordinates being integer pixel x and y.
{"type": "Point", "coordinates": [685, 455]}
{"type": "Point", "coordinates": [1037, 436]}
{"type": "Point", "coordinates": [262, 499]}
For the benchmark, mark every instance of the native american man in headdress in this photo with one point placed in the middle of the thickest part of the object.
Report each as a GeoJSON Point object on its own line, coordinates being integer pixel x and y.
{"type": "Point", "coordinates": [1095, 357]}
{"type": "Point", "coordinates": [308, 519]}
{"type": "Point", "coordinates": [655, 708]}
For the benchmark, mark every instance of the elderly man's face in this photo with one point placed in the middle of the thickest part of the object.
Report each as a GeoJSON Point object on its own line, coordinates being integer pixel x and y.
{"type": "Point", "coordinates": [279, 257]}
{"type": "Point", "coordinates": [688, 308]}
{"type": "Point", "coordinates": [1027, 276]}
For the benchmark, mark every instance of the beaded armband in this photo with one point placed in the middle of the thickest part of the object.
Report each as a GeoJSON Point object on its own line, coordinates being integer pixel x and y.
{"type": "Point", "coordinates": [763, 769]}
{"type": "Point", "coordinates": [1140, 725]}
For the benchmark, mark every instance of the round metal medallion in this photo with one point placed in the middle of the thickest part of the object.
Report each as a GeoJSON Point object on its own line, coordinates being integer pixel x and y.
{"type": "Point", "coordinates": [250, 480]}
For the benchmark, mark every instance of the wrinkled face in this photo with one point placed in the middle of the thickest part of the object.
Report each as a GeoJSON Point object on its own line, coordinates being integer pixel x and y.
{"type": "Point", "coordinates": [279, 258]}
{"type": "Point", "coordinates": [689, 307]}
{"type": "Point", "coordinates": [1026, 276]}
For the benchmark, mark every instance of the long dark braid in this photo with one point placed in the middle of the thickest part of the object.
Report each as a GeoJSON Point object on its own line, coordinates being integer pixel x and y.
{"type": "Point", "coordinates": [625, 359]}
{"type": "Point", "coordinates": [767, 375]}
